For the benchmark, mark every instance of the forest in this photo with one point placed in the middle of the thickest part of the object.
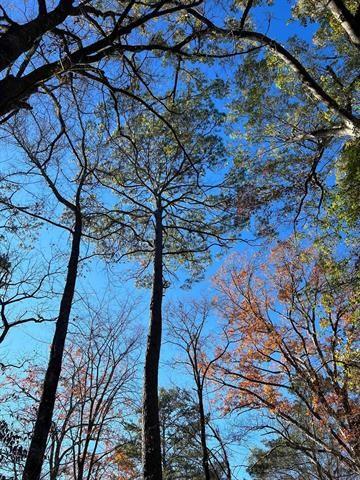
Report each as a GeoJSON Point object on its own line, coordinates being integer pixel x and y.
{"type": "Point", "coordinates": [179, 240]}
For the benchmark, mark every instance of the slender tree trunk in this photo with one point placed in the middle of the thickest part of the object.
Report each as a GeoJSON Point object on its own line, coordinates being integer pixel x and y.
{"type": "Point", "coordinates": [35, 457]}
{"type": "Point", "coordinates": [55, 462]}
{"type": "Point", "coordinates": [205, 454]}
{"type": "Point", "coordinates": [163, 443]}
{"type": "Point", "coordinates": [227, 466]}
{"type": "Point", "coordinates": [151, 442]}
{"type": "Point", "coordinates": [80, 474]}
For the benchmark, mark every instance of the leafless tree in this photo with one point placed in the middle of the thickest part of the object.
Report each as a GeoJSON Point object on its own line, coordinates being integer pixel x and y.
{"type": "Point", "coordinates": [187, 327]}
{"type": "Point", "coordinates": [96, 393]}
{"type": "Point", "coordinates": [25, 289]}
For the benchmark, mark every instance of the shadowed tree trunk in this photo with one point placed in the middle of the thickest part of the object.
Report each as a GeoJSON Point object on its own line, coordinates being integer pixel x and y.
{"type": "Point", "coordinates": [35, 457]}
{"type": "Point", "coordinates": [205, 454]}
{"type": "Point", "coordinates": [151, 444]}
{"type": "Point", "coordinates": [18, 39]}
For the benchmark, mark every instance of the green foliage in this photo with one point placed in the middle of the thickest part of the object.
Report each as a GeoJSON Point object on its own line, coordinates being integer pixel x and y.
{"type": "Point", "coordinates": [346, 194]}
{"type": "Point", "coordinates": [290, 147]}
{"type": "Point", "coordinates": [171, 164]}
{"type": "Point", "coordinates": [180, 437]}
{"type": "Point", "coordinates": [278, 461]}
{"type": "Point", "coordinates": [281, 459]}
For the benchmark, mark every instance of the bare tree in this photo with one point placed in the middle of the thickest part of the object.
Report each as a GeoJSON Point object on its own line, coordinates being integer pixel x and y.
{"type": "Point", "coordinates": [97, 388]}
{"type": "Point", "coordinates": [96, 393]}
{"type": "Point", "coordinates": [22, 284]}
{"type": "Point", "coordinates": [187, 328]}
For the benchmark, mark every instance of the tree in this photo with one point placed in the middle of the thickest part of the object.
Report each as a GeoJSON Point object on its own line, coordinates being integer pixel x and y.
{"type": "Point", "coordinates": [293, 326]}
{"type": "Point", "coordinates": [79, 38]}
{"type": "Point", "coordinates": [278, 461]}
{"type": "Point", "coordinates": [180, 438]}
{"type": "Point", "coordinates": [180, 435]}
{"type": "Point", "coordinates": [298, 101]}
{"type": "Point", "coordinates": [187, 332]}
{"type": "Point", "coordinates": [112, 106]}
{"type": "Point", "coordinates": [237, 31]}
{"type": "Point", "coordinates": [343, 203]}
{"type": "Point", "coordinates": [44, 141]}
{"type": "Point", "coordinates": [93, 398]}
{"type": "Point", "coordinates": [170, 210]}
{"type": "Point", "coordinates": [290, 455]}
{"type": "Point", "coordinates": [12, 451]}
{"type": "Point", "coordinates": [296, 125]}
{"type": "Point", "coordinates": [99, 374]}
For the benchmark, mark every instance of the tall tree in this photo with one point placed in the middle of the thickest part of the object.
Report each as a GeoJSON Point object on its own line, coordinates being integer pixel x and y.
{"type": "Point", "coordinates": [172, 212]}
{"type": "Point", "coordinates": [60, 202]}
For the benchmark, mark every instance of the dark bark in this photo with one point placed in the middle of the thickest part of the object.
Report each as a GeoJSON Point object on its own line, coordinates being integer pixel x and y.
{"type": "Point", "coordinates": [151, 442]}
{"type": "Point", "coordinates": [163, 440]}
{"type": "Point", "coordinates": [202, 417]}
{"type": "Point", "coordinates": [35, 457]}
{"type": "Point", "coordinates": [18, 39]}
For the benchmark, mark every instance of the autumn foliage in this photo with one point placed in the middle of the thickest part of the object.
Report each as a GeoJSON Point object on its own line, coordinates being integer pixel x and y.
{"type": "Point", "coordinates": [292, 326]}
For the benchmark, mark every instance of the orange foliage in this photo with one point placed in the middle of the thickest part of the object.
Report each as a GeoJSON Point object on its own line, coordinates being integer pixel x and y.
{"type": "Point", "coordinates": [281, 350]}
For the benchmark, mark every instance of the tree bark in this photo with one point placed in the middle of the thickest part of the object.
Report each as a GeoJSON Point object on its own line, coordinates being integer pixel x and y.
{"type": "Point", "coordinates": [151, 442]}
{"type": "Point", "coordinates": [18, 39]}
{"type": "Point", "coordinates": [35, 457]}
{"type": "Point", "coordinates": [347, 20]}
{"type": "Point", "coordinates": [205, 454]}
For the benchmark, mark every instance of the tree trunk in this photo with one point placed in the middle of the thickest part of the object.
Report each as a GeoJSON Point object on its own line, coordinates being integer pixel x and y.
{"type": "Point", "coordinates": [35, 457]}
{"type": "Point", "coordinates": [227, 467]}
{"type": "Point", "coordinates": [18, 39]}
{"type": "Point", "coordinates": [348, 21]}
{"type": "Point", "coordinates": [151, 443]}
{"type": "Point", "coordinates": [205, 455]}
